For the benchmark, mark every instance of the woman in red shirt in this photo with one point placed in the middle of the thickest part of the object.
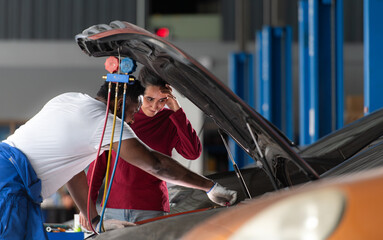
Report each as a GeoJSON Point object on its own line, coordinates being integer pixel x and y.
{"type": "Point", "coordinates": [136, 195]}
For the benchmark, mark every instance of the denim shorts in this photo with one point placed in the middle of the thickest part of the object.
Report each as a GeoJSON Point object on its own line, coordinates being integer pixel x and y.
{"type": "Point", "coordinates": [131, 215]}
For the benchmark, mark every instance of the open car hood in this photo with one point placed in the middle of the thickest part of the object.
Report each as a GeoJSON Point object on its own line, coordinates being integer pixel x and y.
{"type": "Point", "coordinates": [192, 80]}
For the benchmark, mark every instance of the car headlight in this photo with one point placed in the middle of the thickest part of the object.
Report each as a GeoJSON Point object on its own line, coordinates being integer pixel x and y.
{"type": "Point", "coordinates": [306, 216]}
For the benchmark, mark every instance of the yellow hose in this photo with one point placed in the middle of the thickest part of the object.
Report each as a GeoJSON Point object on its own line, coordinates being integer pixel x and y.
{"type": "Point", "coordinates": [111, 145]}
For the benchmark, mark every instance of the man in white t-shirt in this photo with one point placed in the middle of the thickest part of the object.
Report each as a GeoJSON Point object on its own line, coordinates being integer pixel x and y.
{"type": "Point", "coordinates": [58, 143]}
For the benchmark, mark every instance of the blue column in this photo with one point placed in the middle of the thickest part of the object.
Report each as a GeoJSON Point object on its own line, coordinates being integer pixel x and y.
{"type": "Point", "coordinates": [304, 70]}
{"type": "Point", "coordinates": [265, 78]}
{"type": "Point", "coordinates": [274, 77]}
{"type": "Point", "coordinates": [321, 72]}
{"type": "Point", "coordinates": [287, 81]}
{"type": "Point", "coordinates": [258, 71]}
{"type": "Point", "coordinates": [373, 52]}
{"type": "Point", "coordinates": [241, 81]}
{"type": "Point", "coordinates": [339, 64]}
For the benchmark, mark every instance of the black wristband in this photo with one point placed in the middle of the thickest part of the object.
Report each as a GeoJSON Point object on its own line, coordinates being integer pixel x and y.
{"type": "Point", "coordinates": [96, 219]}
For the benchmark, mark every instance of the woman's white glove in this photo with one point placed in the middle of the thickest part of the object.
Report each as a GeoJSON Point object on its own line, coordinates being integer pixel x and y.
{"type": "Point", "coordinates": [221, 195]}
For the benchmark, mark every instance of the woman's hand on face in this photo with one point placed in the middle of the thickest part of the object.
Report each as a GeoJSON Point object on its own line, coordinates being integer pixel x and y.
{"type": "Point", "coordinates": [172, 101]}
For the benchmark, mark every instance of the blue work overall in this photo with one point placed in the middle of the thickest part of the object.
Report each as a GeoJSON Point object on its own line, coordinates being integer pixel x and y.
{"type": "Point", "coordinates": [20, 197]}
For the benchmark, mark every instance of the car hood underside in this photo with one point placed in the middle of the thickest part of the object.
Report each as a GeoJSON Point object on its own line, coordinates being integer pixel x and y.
{"type": "Point", "coordinates": [192, 80]}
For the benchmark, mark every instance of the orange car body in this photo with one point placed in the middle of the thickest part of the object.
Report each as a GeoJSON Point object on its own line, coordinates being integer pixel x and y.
{"type": "Point", "coordinates": [361, 218]}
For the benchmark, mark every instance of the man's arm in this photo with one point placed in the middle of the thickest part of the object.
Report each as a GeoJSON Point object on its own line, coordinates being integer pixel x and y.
{"type": "Point", "coordinates": [160, 165]}
{"type": "Point", "coordinates": [78, 189]}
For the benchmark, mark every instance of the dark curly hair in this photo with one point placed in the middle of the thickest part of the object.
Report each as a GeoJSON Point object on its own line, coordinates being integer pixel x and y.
{"type": "Point", "coordinates": [148, 78]}
{"type": "Point", "coordinates": [133, 91]}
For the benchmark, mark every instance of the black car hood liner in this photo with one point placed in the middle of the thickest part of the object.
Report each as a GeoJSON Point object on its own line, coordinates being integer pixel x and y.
{"type": "Point", "coordinates": [194, 82]}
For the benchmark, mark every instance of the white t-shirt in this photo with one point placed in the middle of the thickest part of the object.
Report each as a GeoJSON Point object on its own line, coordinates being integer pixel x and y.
{"type": "Point", "coordinates": [63, 138]}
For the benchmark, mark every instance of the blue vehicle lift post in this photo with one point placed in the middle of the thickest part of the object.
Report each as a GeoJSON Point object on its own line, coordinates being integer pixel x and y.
{"type": "Point", "coordinates": [274, 77]}
{"type": "Point", "coordinates": [304, 83]}
{"type": "Point", "coordinates": [321, 68]}
{"type": "Point", "coordinates": [373, 51]}
{"type": "Point", "coordinates": [241, 75]}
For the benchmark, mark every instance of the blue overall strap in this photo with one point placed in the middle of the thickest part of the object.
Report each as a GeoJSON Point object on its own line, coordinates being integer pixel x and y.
{"type": "Point", "coordinates": [20, 197]}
